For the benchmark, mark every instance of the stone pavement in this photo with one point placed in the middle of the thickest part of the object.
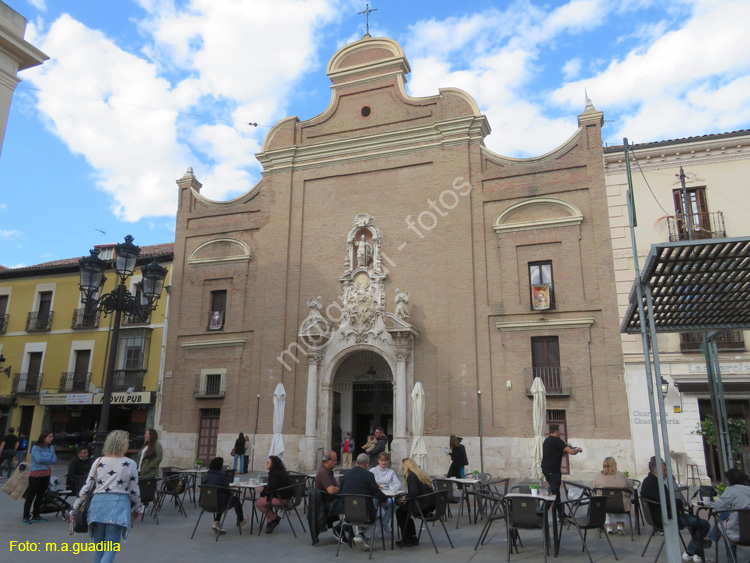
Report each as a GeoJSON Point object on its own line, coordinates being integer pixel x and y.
{"type": "Point", "coordinates": [170, 541]}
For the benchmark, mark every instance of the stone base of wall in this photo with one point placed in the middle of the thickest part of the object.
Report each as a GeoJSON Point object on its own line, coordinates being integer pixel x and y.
{"type": "Point", "coordinates": [503, 456]}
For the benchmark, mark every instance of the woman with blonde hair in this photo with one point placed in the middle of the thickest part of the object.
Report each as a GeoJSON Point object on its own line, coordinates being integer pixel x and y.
{"type": "Point", "coordinates": [610, 478]}
{"type": "Point", "coordinates": [418, 483]}
{"type": "Point", "coordinates": [116, 498]}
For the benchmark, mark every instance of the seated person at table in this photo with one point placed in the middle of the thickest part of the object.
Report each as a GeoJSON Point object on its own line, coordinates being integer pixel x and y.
{"type": "Point", "coordinates": [385, 477]}
{"type": "Point", "coordinates": [78, 469]}
{"type": "Point", "coordinates": [697, 526]}
{"type": "Point", "coordinates": [278, 491]}
{"type": "Point", "coordinates": [359, 481]}
{"type": "Point", "coordinates": [327, 483]}
{"type": "Point", "coordinates": [610, 478]}
{"type": "Point", "coordinates": [418, 483]}
{"type": "Point", "coordinates": [736, 496]}
{"type": "Point", "coordinates": [216, 477]}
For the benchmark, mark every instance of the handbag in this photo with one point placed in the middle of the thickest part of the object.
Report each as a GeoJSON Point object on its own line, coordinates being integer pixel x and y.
{"type": "Point", "coordinates": [16, 486]}
{"type": "Point", "coordinates": [81, 522]}
{"type": "Point", "coordinates": [232, 454]}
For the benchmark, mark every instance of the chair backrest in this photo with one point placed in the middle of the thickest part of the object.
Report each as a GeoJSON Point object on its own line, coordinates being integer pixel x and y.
{"type": "Point", "coordinates": [576, 491]}
{"type": "Point", "coordinates": [597, 511]}
{"type": "Point", "coordinates": [498, 487]}
{"type": "Point", "coordinates": [230, 473]}
{"type": "Point", "coordinates": [484, 478]}
{"type": "Point", "coordinates": [148, 489]}
{"type": "Point", "coordinates": [648, 507]}
{"type": "Point", "coordinates": [355, 509]}
{"type": "Point", "coordinates": [489, 504]}
{"type": "Point", "coordinates": [743, 517]}
{"type": "Point", "coordinates": [615, 499]}
{"type": "Point", "coordinates": [704, 491]}
{"type": "Point", "coordinates": [171, 483]}
{"type": "Point", "coordinates": [524, 489]}
{"type": "Point", "coordinates": [209, 498]}
{"type": "Point", "coordinates": [444, 485]}
{"type": "Point", "coordinates": [441, 505]}
{"type": "Point", "coordinates": [521, 513]}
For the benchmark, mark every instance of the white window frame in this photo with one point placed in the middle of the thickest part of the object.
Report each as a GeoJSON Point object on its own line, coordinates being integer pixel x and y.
{"type": "Point", "coordinates": [213, 371]}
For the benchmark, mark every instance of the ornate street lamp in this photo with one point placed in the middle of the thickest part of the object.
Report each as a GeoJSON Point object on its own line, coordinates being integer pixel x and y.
{"type": "Point", "coordinates": [664, 387]}
{"type": "Point", "coordinates": [6, 371]}
{"type": "Point", "coordinates": [118, 301]}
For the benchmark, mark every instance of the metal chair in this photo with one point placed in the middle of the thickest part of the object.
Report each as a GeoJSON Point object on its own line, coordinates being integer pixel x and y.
{"type": "Point", "coordinates": [490, 510]}
{"type": "Point", "coordinates": [448, 486]}
{"type": "Point", "coordinates": [209, 502]}
{"type": "Point", "coordinates": [436, 515]}
{"type": "Point", "coordinates": [578, 493]}
{"type": "Point", "coordinates": [594, 520]}
{"type": "Point", "coordinates": [356, 514]}
{"type": "Point", "coordinates": [284, 509]}
{"type": "Point", "coordinates": [616, 503]}
{"type": "Point", "coordinates": [521, 514]}
{"type": "Point", "coordinates": [743, 515]}
{"type": "Point", "coordinates": [173, 487]}
{"type": "Point", "coordinates": [649, 506]}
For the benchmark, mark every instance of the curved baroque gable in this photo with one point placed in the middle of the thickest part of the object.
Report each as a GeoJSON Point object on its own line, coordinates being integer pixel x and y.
{"type": "Point", "coordinates": [538, 213]}
{"type": "Point", "coordinates": [221, 250]}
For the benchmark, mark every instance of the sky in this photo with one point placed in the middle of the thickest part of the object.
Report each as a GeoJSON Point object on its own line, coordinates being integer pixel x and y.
{"type": "Point", "coordinates": [136, 91]}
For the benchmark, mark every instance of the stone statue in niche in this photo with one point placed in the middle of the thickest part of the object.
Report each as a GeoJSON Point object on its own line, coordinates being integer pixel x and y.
{"type": "Point", "coordinates": [401, 299]}
{"type": "Point", "coordinates": [364, 252]}
{"type": "Point", "coordinates": [315, 305]}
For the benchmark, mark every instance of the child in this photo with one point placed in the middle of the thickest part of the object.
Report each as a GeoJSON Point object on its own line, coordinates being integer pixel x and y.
{"type": "Point", "coordinates": [371, 442]}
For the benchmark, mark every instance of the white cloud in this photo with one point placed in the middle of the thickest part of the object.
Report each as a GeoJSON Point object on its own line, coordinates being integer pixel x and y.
{"type": "Point", "coordinates": [3, 207]}
{"type": "Point", "coordinates": [10, 233]}
{"type": "Point", "coordinates": [572, 68]}
{"type": "Point", "coordinates": [210, 58]}
{"type": "Point", "coordinates": [40, 5]}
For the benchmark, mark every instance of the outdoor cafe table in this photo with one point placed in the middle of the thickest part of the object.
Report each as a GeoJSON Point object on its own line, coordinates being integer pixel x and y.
{"type": "Point", "coordinates": [244, 488]}
{"type": "Point", "coordinates": [471, 482]}
{"type": "Point", "coordinates": [547, 502]}
{"type": "Point", "coordinates": [192, 475]}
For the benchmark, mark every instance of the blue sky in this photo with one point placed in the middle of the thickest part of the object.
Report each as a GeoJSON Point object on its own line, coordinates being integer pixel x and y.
{"type": "Point", "coordinates": [136, 91]}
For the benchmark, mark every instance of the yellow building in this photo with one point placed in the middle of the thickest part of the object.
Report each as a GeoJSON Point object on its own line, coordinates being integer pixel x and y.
{"type": "Point", "coordinates": [57, 353]}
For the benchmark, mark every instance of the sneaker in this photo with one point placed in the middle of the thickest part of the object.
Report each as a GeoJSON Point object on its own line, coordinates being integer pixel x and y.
{"type": "Point", "coordinates": [621, 529]}
{"type": "Point", "coordinates": [608, 528]}
{"type": "Point", "coordinates": [217, 528]}
{"type": "Point", "coordinates": [26, 522]}
{"type": "Point", "coordinates": [244, 522]}
{"type": "Point", "coordinates": [38, 520]}
{"type": "Point", "coordinates": [698, 559]}
{"type": "Point", "coordinates": [360, 542]}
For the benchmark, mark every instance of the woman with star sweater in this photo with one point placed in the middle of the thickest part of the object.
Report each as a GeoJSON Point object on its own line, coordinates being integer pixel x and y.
{"type": "Point", "coordinates": [116, 499]}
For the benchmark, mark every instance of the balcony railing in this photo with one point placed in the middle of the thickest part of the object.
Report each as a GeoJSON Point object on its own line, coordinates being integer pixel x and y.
{"type": "Point", "coordinates": [132, 320]}
{"type": "Point", "coordinates": [700, 225]}
{"type": "Point", "coordinates": [728, 340]}
{"type": "Point", "coordinates": [4, 323]}
{"type": "Point", "coordinates": [26, 383]}
{"type": "Point", "coordinates": [85, 318]}
{"type": "Point", "coordinates": [126, 378]}
{"type": "Point", "coordinates": [74, 382]}
{"type": "Point", "coordinates": [556, 379]}
{"type": "Point", "coordinates": [36, 321]}
{"type": "Point", "coordinates": [209, 386]}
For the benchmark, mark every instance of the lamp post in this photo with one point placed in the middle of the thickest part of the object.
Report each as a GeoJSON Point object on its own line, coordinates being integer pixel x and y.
{"type": "Point", "coordinates": [6, 371]}
{"type": "Point", "coordinates": [664, 387]}
{"type": "Point", "coordinates": [118, 301]}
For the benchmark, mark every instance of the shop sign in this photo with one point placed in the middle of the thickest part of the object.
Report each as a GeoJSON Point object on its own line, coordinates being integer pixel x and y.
{"type": "Point", "coordinates": [142, 398]}
{"type": "Point", "coordinates": [738, 367]}
{"type": "Point", "coordinates": [65, 399]}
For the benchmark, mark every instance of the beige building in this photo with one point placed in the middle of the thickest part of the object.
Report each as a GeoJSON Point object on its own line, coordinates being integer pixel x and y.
{"type": "Point", "coordinates": [56, 353]}
{"type": "Point", "coordinates": [385, 245]}
{"type": "Point", "coordinates": [16, 55]}
{"type": "Point", "coordinates": [715, 205]}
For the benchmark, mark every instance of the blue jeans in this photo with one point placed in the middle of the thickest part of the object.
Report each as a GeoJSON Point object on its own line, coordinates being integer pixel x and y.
{"type": "Point", "coordinates": [105, 532]}
{"type": "Point", "coordinates": [237, 459]}
{"type": "Point", "coordinates": [385, 511]}
{"type": "Point", "coordinates": [698, 530]}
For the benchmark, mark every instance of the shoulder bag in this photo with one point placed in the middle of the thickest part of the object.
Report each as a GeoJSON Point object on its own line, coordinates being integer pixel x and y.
{"type": "Point", "coordinates": [81, 523]}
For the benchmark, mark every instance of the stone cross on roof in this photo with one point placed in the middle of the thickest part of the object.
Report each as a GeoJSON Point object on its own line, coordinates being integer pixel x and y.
{"type": "Point", "coordinates": [367, 12]}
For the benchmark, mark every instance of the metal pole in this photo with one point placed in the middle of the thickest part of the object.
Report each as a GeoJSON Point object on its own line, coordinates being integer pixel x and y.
{"type": "Point", "coordinates": [687, 218]}
{"type": "Point", "coordinates": [103, 427]}
{"type": "Point", "coordinates": [671, 530]}
{"type": "Point", "coordinates": [718, 406]}
{"type": "Point", "coordinates": [722, 404]}
{"type": "Point", "coordinates": [255, 433]}
{"type": "Point", "coordinates": [481, 445]}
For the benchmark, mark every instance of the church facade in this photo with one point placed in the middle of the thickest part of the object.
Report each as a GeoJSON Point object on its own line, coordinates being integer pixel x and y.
{"type": "Point", "coordinates": [386, 246]}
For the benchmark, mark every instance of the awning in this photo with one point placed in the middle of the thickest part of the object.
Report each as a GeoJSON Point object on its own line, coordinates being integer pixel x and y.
{"type": "Point", "coordinates": [696, 285]}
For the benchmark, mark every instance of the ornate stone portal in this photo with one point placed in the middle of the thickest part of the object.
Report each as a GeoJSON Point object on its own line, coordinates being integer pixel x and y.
{"type": "Point", "coordinates": [364, 324]}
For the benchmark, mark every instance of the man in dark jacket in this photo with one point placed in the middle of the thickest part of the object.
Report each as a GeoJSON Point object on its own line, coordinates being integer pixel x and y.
{"type": "Point", "coordinates": [382, 442]}
{"type": "Point", "coordinates": [698, 527]}
{"type": "Point", "coordinates": [359, 481]}
{"type": "Point", "coordinates": [78, 469]}
{"type": "Point", "coordinates": [8, 449]}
